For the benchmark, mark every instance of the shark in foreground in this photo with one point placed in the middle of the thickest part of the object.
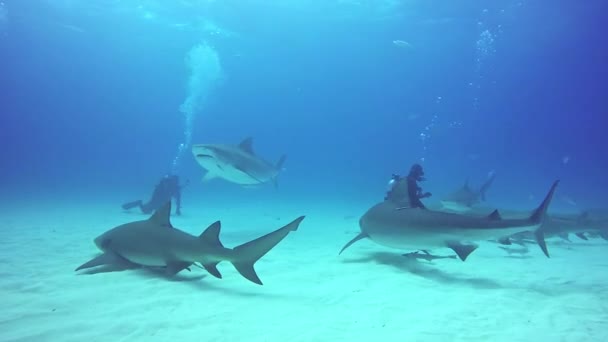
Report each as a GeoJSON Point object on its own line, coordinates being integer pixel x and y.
{"type": "Point", "coordinates": [403, 227]}
{"type": "Point", "coordinates": [236, 163]}
{"type": "Point", "coordinates": [156, 243]}
{"type": "Point", "coordinates": [465, 198]}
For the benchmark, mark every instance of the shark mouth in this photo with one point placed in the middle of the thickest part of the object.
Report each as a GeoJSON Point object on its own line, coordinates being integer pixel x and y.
{"type": "Point", "coordinates": [204, 156]}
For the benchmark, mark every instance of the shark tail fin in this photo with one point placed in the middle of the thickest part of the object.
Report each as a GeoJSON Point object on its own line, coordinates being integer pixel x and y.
{"type": "Point", "coordinates": [485, 186]}
{"type": "Point", "coordinates": [248, 253]}
{"type": "Point", "coordinates": [281, 161]}
{"type": "Point", "coordinates": [539, 215]}
{"type": "Point", "coordinates": [278, 166]}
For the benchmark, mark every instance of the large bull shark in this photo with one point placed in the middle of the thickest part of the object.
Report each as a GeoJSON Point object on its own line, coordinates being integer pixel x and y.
{"type": "Point", "coordinates": [156, 243]}
{"type": "Point", "coordinates": [236, 163]}
{"type": "Point", "coordinates": [465, 198]}
{"type": "Point", "coordinates": [390, 225]}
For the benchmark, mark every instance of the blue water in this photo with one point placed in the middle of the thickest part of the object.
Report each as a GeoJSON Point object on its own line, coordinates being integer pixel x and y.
{"type": "Point", "coordinates": [92, 95]}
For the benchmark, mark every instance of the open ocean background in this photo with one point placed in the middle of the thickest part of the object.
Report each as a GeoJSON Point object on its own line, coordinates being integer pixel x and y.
{"type": "Point", "coordinates": [92, 96]}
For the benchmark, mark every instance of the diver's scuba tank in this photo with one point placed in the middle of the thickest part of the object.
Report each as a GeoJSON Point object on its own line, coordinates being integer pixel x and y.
{"type": "Point", "coordinates": [391, 185]}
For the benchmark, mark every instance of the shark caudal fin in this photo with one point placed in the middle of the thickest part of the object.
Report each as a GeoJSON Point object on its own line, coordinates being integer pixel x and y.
{"type": "Point", "coordinates": [279, 167]}
{"type": "Point", "coordinates": [538, 216]}
{"type": "Point", "coordinates": [248, 253]}
{"type": "Point", "coordinates": [485, 186]}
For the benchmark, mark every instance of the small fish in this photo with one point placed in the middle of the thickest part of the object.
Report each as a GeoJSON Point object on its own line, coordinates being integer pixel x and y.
{"type": "Point", "coordinates": [425, 255]}
{"type": "Point", "coordinates": [510, 250]}
{"type": "Point", "coordinates": [402, 43]}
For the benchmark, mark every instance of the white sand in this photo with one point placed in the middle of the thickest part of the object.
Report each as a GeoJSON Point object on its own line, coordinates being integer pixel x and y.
{"type": "Point", "coordinates": [370, 293]}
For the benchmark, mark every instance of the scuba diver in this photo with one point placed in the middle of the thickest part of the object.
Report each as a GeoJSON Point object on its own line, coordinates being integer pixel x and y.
{"type": "Point", "coordinates": [406, 190]}
{"type": "Point", "coordinates": [165, 190]}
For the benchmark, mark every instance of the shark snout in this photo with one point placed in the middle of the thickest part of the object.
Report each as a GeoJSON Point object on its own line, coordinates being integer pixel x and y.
{"type": "Point", "coordinates": [204, 152]}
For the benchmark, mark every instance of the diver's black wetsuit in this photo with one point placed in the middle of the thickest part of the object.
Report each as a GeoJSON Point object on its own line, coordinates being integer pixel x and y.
{"type": "Point", "coordinates": [165, 190]}
{"type": "Point", "coordinates": [414, 192]}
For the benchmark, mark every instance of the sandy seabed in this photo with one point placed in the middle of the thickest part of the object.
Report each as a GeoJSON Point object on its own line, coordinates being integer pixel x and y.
{"type": "Point", "coordinates": [369, 293]}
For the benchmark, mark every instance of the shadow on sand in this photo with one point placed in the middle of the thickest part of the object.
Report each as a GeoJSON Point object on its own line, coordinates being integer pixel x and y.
{"type": "Point", "coordinates": [426, 270]}
{"type": "Point", "coordinates": [186, 277]}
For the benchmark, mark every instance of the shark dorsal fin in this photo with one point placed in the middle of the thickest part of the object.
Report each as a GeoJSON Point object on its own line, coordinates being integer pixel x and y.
{"type": "Point", "coordinates": [247, 145]}
{"type": "Point", "coordinates": [211, 235]}
{"type": "Point", "coordinates": [495, 215]}
{"type": "Point", "coordinates": [161, 215]}
{"type": "Point", "coordinates": [583, 217]}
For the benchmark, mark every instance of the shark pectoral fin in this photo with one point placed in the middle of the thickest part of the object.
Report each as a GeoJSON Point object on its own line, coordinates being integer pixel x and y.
{"type": "Point", "coordinates": [565, 236]}
{"type": "Point", "coordinates": [582, 236]}
{"type": "Point", "coordinates": [461, 250]}
{"type": "Point", "coordinates": [246, 255]}
{"type": "Point", "coordinates": [107, 258]}
{"type": "Point", "coordinates": [174, 267]}
{"type": "Point", "coordinates": [539, 236]}
{"type": "Point", "coordinates": [209, 176]}
{"type": "Point", "coordinates": [604, 235]}
{"type": "Point", "coordinates": [212, 269]}
{"type": "Point", "coordinates": [355, 239]}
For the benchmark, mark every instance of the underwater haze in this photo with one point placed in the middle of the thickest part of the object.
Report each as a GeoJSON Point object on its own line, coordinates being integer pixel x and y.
{"type": "Point", "coordinates": [100, 99]}
{"type": "Point", "coordinates": [98, 95]}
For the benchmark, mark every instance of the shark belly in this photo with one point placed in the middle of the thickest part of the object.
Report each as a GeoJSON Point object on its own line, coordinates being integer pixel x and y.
{"type": "Point", "coordinates": [233, 174]}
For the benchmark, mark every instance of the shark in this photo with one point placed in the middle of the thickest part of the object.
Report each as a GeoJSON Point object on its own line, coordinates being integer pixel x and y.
{"type": "Point", "coordinates": [562, 225]}
{"type": "Point", "coordinates": [585, 224]}
{"type": "Point", "coordinates": [466, 197]}
{"type": "Point", "coordinates": [156, 243]}
{"type": "Point", "coordinates": [390, 225]}
{"type": "Point", "coordinates": [236, 163]}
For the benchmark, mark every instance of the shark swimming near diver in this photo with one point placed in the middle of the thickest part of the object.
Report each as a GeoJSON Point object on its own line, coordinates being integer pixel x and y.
{"type": "Point", "coordinates": [393, 226]}
{"type": "Point", "coordinates": [156, 243]}
{"type": "Point", "coordinates": [238, 164]}
{"type": "Point", "coordinates": [466, 197]}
